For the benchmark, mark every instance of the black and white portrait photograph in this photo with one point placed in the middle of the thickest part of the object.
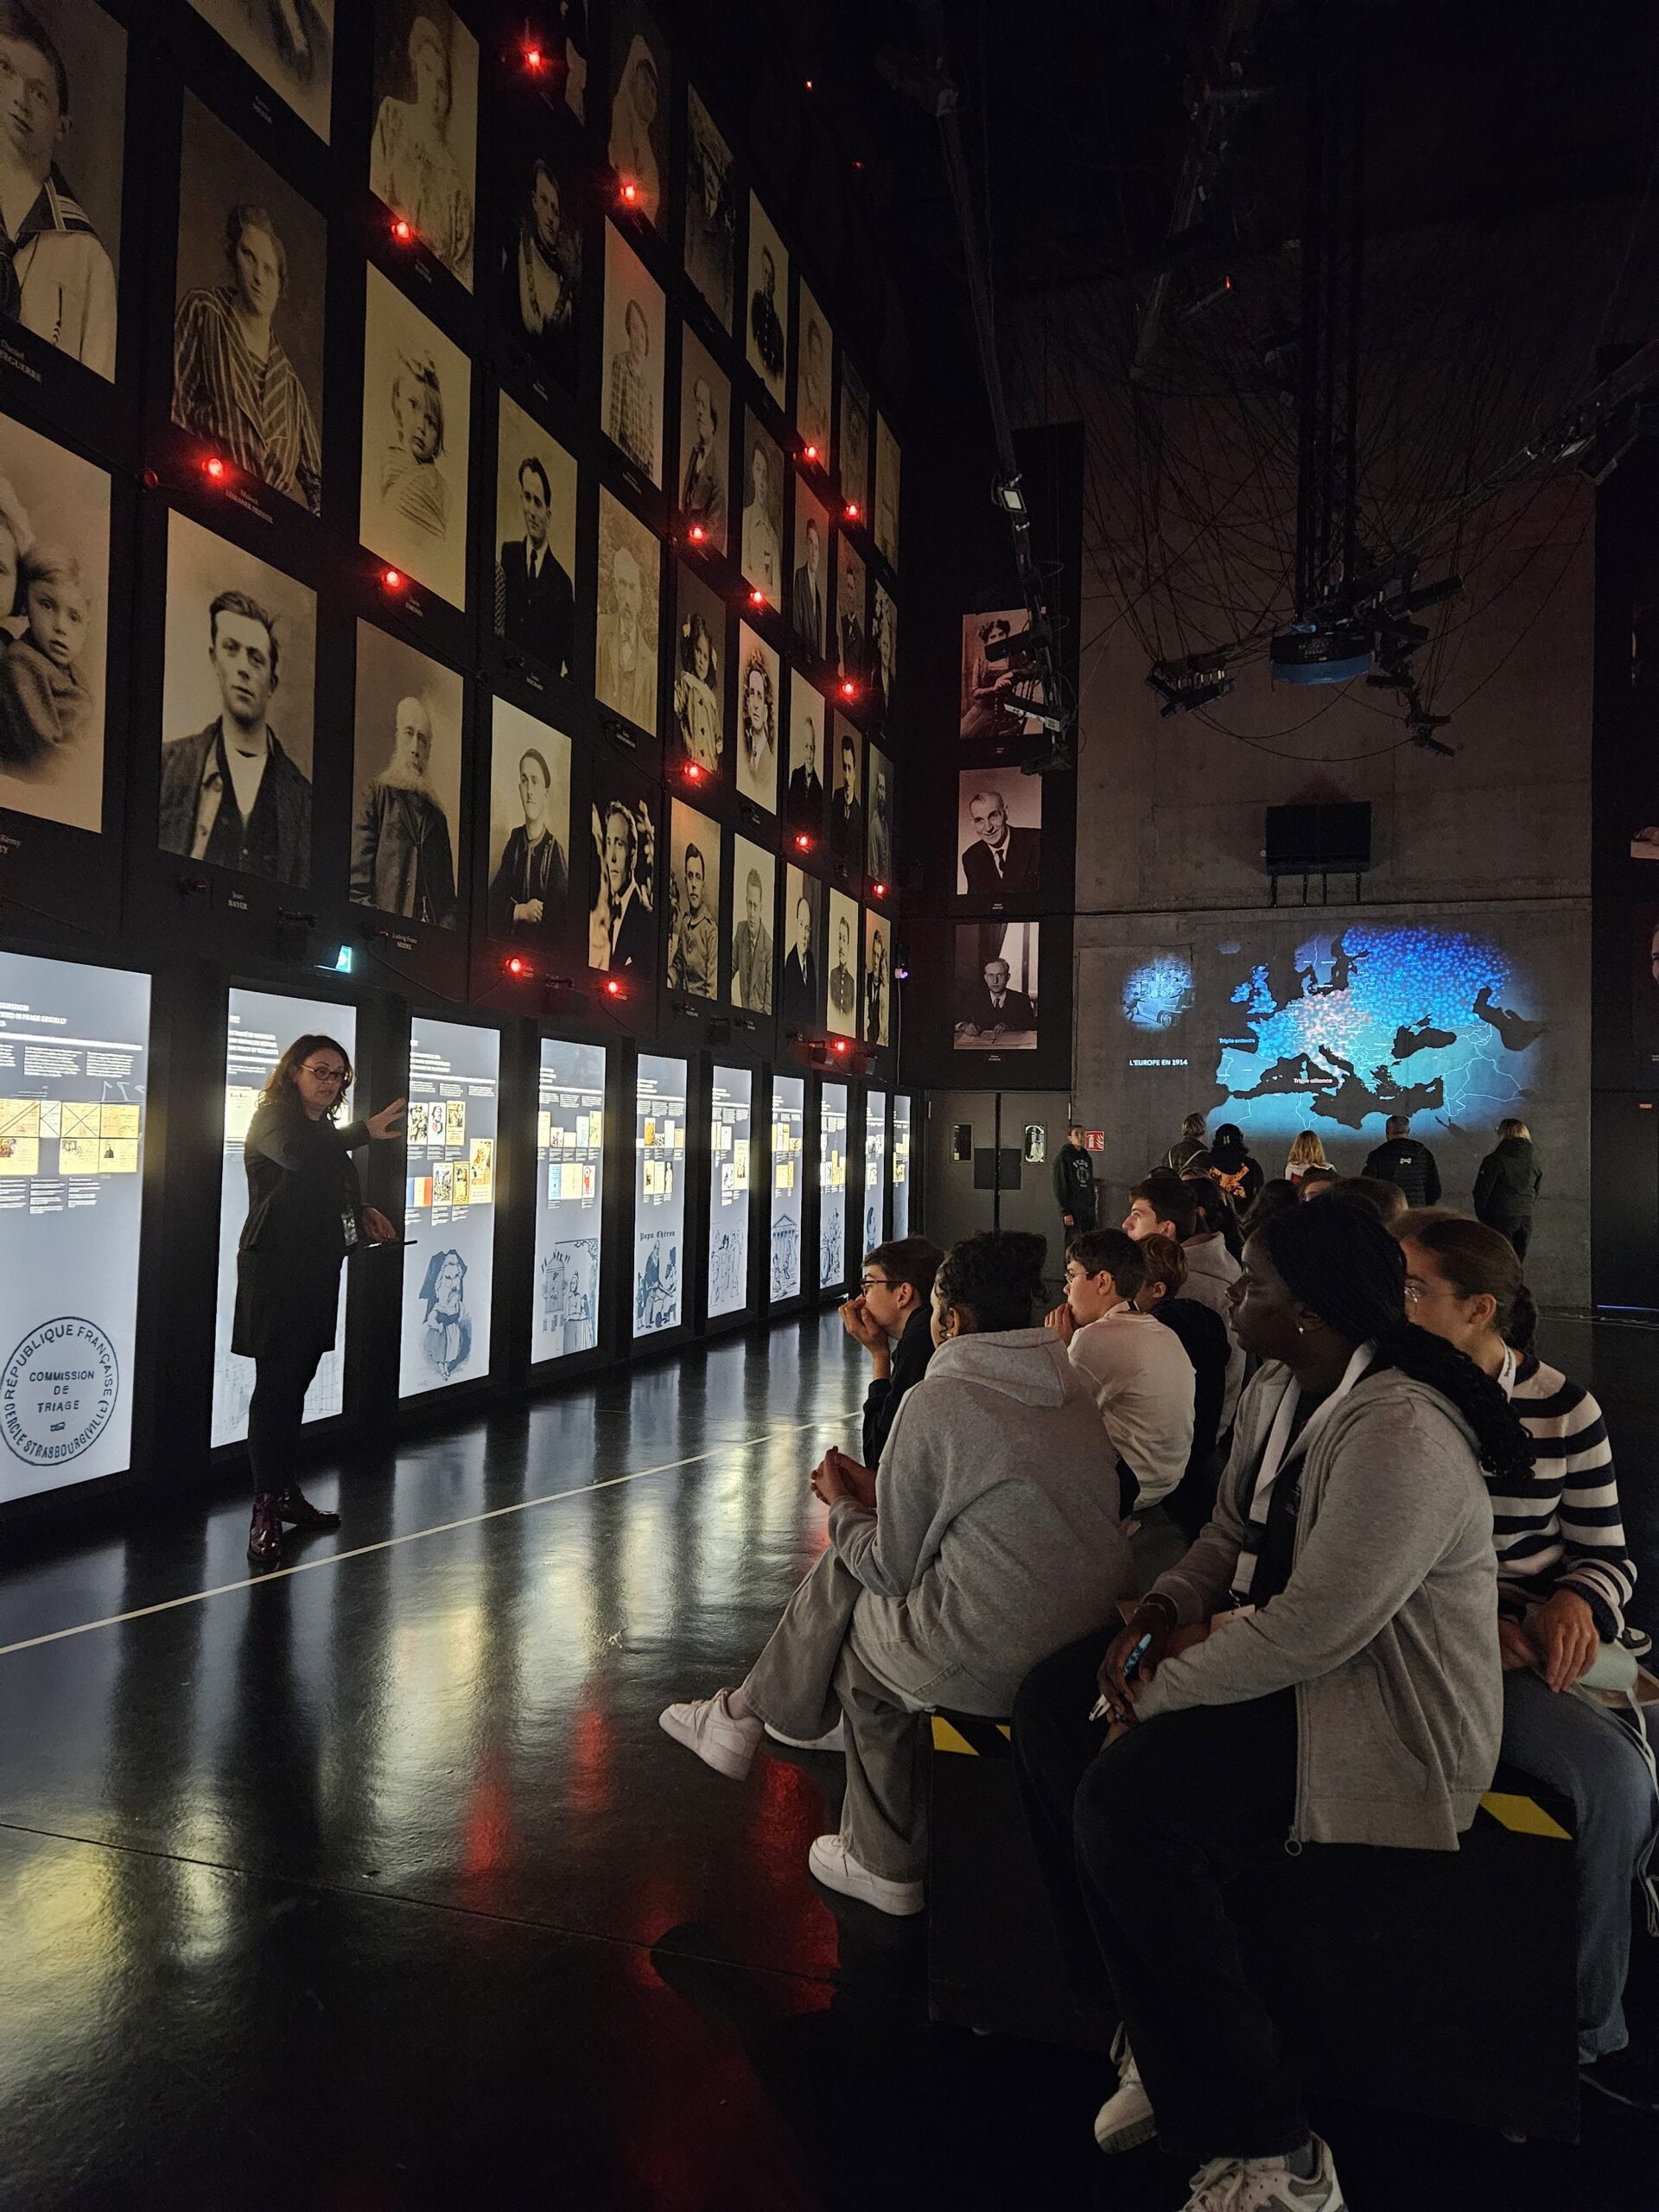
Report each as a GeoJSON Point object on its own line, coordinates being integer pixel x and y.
{"type": "Point", "coordinates": [988, 678]}
{"type": "Point", "coordinates": [878, 978]}
{"type": "Point", "coordinates": [423, 155]}
{"type": "Point", "coordinates": [884, 649]}
{"type": "Point", "coordinates": [710, 210]}
{"type": "Point", "coordinates": [754, 878]}
{"type": "Point", "coordinates": [846, 836]}
{"type": "Point", "coordinates": [766, 317]}
{"type": "Point", "coordinates": [54, 615]}
{"type": "Point", "coordinates": [247, 324]}
{"type": "Point", "coordinates": [852, 620]}
{"type": "Point", "coordinates": [534, 541]}
{"type": "Point", "coordinates": [996, 1001]}
{"type": "Point", "coordinates": [802, 959]}
{"type": "Point", "coordinates": [63, 64]}
{"type": "Point", "coordinates": [290, 43]}
{"type": "Point", "coordinates": [407, 801]}
{"type": "Point", "coordinates": [999, 833]}
{"type": "Point", "coordinates": [758, 679]}
{"type": "Point", "coordinates": [812, 378]}
{"type": "Point", "coordinates": [700, 673]}
{"type": "Point", "coordinates": [878, 816]}
{"type": "Point", "coordinates": [416, 410]}
{"type": "Point", "coordinates": [622, 917]}
{"type": "Point", "coordinates": [841, 1010]}
{"type": "Point", "coordinates": [626, 621]}
{"type": "Point", "coordinates": [238, 701]}
{"type": "Point", "coordinates": [705, 444]}
{"type": "Point", "coordinates": [809, 583]}
{"type": "Point", "coordinates": [853, 452]}
{"type": "Point", "coordinates": [806, 791]}
{"type": "Point", "coordinates": [571, 37]}
{"type": "Point", "coordinates": [635, 342]}
{"type": "Point", "coordinates": [638, 140]}
{"type": "Point", "coordinates": [530, 830]}
{"type": "Point", "coordinates": [762, 551]}
{"type": "Point", "coordinates": [886, 526]}
{"type": "Point", "coordinates": [693, 903]}
{"type": "Point", "coordinates": [540, 260]}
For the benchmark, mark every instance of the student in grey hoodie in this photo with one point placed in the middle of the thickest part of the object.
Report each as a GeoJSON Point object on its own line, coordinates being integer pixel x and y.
{"type": "Point", "coordinates": [1321, 1667]}
{"type": "Point", "coordinates": [988, 1538]}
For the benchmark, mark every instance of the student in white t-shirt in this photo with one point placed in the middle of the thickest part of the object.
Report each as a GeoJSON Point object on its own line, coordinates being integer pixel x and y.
{"type": "Point", "coordinates": [1142, 1379]}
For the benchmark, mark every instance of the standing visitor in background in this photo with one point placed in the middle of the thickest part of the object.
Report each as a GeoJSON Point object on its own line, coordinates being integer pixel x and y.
{"type": "Point", "coordinates": [1074, 1185]}
{"type": "Point", "coordinates": [1506, 1184]}
{"type": "Point", "coordinates": [1305, 1151]}
{"type": "Point", "coordinates": [1187, 1146]}
{"type": "Point", "coordinates": [1236, 1173]}
{"type": "Point", "coordinates": [1400, 1158]}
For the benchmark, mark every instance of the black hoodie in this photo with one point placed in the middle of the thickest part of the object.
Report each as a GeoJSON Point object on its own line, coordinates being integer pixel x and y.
{"type": "Point", "coordinates": [1506, 1184]}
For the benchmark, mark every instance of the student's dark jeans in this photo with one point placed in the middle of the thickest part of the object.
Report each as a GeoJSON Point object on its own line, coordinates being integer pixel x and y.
{"type": "Point", "coordinates": [1136, 1844]}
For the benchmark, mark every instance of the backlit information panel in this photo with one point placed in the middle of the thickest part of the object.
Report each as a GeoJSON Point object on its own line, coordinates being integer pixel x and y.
{"type": "Point", "coordinates": [875, 1166]}
{"type": "Point", "coordinates": [788, 1127]}
{"type": "Point", "coordinates": [658, 1195]}
{"type": "Point", "coordinates": [901, 1164]}
{"type": "Point", "coordinates": [570, 1214]}
{"type": "Point", "coordinates": [832, 1186]}
{"type": "Point", "coordinates": [262, 1025]}
{"type": "Point", "coordinates": [729, 1135]}
{"type": "Point", "coordinates": [74, 1045]}
{"type": "Point", "coordinates": [455, 1073]}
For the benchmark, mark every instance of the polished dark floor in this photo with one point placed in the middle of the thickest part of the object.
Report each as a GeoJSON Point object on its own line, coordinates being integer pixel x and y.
{"type": "Point", "coordinates": [377, 1885]}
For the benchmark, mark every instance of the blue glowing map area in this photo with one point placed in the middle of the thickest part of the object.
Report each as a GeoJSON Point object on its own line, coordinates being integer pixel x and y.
{"type": "Point", "coordinates": [1159, 993]}
{"type": "Point", "coordinates": [1375, 1020]}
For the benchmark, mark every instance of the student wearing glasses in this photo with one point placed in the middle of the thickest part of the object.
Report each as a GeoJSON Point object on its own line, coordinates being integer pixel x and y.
{"type": "Point", "coordinates": [305, 1212]}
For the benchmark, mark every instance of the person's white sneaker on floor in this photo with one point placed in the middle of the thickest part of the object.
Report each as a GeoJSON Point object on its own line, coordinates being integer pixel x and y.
{"type": "Point", "coordinates": [834, 1864]}
{"type": "Point", "coordinates": [707, 1726]}
{"type": "Point", "coordinates": [834, 1741]}
{"type": "Point", "coordinates": [1267, 2185]}
{"type": "Point", "coordinates": [1125, 2120]}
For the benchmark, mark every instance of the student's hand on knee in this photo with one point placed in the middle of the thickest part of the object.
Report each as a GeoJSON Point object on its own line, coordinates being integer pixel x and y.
{"type": "Point", "coordinates": [1149, 1621]}
{"type": "Point", "coordinates": [1514, 1647]}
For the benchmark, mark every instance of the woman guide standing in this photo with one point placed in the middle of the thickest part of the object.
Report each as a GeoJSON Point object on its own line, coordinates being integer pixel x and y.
{"type": "Point", "coordinates": [305, 1212]}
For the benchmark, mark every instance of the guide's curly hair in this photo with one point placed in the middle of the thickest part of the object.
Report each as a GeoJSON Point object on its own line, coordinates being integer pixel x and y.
{"type": "Point", "coordinates": [996, 1276]}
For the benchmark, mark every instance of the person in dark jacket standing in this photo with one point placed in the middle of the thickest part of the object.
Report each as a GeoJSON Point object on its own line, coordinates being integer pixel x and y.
{"type": "Point", "coordinates": [1506, 1184]}
{"type": "Point", "coordinates": [305, 1212]}
{"type": "Point", "coordinates": [1074, 1185]}
{"type": "Point", "coordinates": [1187, 1147]}
{"type": "Point", "coordinates": [1400, 1159]}
{"type": "Point", "coordinates": [1236, 1173]}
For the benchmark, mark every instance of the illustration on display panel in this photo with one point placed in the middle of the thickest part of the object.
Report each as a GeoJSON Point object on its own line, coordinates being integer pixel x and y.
{"type": "Point", "coordinates": [626, 620]}
{"type": "Point", "coordinates": [530, 830]}
{"type": "Point", "coordinates": [754, 876]}
{"type": "Point", "coordinates": [999, 833]}
{"type": "Point", "coordinates": [290, 43]}
{"type": "Point", "coordinates": [423, 155]}
{"type": "Point", "coordinates": [54, 575]}
{"type": "Point", "coordinates": [622, 920]}
{"type": "Point", "coordinates": [408, 760]}
{"type": "Point", "coordinates": [766, 324]}
{"type": "Point", "coordinates": [417, 411]}
{"type": "Point", "coordinates": [639, 89]}
{"type": "Point", "coordinates": [635, 344]}
{"type": "Point", "coordinates": [840, 1012]}
{"type": "Point", "coordinates": [802, 907]}
{"type": "Point", "coordinates": [699, 675]}
{"type": "Point", "coordinates": [238, 702]}
{"type": "Point", "coordinates": [996, 993]}
{"type": "Point", "coordinates": [693, 903]}
{"type": "Point", "coordinates": [710, 210]}
{"type": "Point", "coordinates": [705, 413]}
{"type": "Point", "coordinates": [535, 541]}
{"type": "Point", "coordinates": [760, 673]}
{"type": "Point", "coordinates": [247, 329]}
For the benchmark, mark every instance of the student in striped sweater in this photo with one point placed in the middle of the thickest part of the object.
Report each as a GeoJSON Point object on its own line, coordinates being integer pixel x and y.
{"type": "Point", "coordinates": [1565, 1576]}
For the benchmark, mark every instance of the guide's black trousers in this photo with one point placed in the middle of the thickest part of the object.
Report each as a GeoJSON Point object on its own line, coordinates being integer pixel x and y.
{"type": "Point", "coordinates": [281, 1377]}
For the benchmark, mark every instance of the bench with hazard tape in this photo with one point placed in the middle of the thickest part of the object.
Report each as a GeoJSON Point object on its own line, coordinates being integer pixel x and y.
{"type": "Point", "coordinates": [1425, 1981]}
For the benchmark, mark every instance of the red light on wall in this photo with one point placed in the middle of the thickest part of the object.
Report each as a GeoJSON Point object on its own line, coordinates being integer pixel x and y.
{"type": "Point", "coordinates": [613, 987]}
{"type": "Point", "coordinates": [697, 534]}
{"type": "Point", "coordinates": [808, 453]}
{"type": "Point", "coordinates": [757, 597]}
{"type": "Point", "coordinates": [627, 192]}
{"type": "Point", "coordinates": [392, 580]}
{"type": "Point", "coordinates": [693, 772]}
{"type": "Point", "coordinates": [840, 1047]}
{"type": "Point", "coordinates": [803, 842]}
{"type": "Point", "coordinates": [879, 890]}
{"type": "Point", "coordinates": [402, 229]}
{"type": "Point", "coordinates": [214, 469]}
{"type": "Point", "coordinates": [853, 511]}
{"type": "Point", "coordinates": [533, 57]}
{"type": "Point", "coordinates": [517, 966]}
{"type": "Point", "coordinates": [848, 689]}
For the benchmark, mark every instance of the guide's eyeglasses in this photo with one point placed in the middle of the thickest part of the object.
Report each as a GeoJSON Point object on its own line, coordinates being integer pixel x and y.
{"type": "Point", "coordinates": [336, 1075]}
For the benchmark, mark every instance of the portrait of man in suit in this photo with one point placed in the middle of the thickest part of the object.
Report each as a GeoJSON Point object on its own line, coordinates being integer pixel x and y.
{"type": "Point", "coordinates": [993, 1008]}
{"type": "Point", "coordinates": [752, 950]}
{"type": "Point", "coordinates": [843, 980]}
{"type": "Point", "coordinates": [535, 605]}
{"type": "Point", "coordinates": [805, 802]}
{"type": "Point", "coordinates": [1001, 858]}
{"type": "Point", "coordinates": [846, 809]}
{"type": "Point", "coordinates": [801, 963]}
{"type": "Point", "coordinates": [806, 597]}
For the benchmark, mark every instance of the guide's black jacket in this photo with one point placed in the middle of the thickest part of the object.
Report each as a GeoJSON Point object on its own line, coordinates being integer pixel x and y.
{"type": "Point", "coordinates": [302, 1185]}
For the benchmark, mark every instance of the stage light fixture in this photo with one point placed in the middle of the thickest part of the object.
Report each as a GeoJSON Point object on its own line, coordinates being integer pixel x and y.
{"type": "Point", "coordinates": [900, 975]}
{"type": "Point", "coordinates": [1008, 495]}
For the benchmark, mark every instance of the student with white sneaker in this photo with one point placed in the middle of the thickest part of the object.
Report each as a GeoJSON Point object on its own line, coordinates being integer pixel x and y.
{"type": "Point", "coordinates": [1321, 1667]}
{"type": "Point", "coordinates": [988, 1537]}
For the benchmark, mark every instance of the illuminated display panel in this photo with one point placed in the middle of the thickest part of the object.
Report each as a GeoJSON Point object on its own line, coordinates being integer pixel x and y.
{"type": "Point", "coordinates": [262, 1025]}
{"type": "Point", "coordinates": [74, 1047]}
{"type": "Point", "coordinates": [730, 1138]}
{"type": "Point", "coordinates": [875, 1165]}
{"type": "Point", "coordinates": [570, 1190]}
{"type": "Point", "coordinates": [788, 1180]}
{"type": "Point", "coordinates": [658, 1196]}
{"type": "Point", "coordinates": [455, 1073]}
{"type": "Point", "coordinates": [901, 1164]}
{"type": "Point", "coordinates": [832, 1186]}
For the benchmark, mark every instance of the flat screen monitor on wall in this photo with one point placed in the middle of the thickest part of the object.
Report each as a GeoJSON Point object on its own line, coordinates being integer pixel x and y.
{"type": "Point", "coordinates": [875, 1167]}
{"type": "Point", "coordinates": [729, 1141]}
{"type": "Point", "coordinates": [832, 1186]}
{"type": "Point", "coordinates": [659, 1196]}
{"type": "Point", "coordinates": [74, 1048]}
{"type": "Point", "coordinates": [262, 1025]}
{"type": "Point", "coordinates": [449, 1204]}
{"type": "Point", "coordinates": [901, 1163]}
{"type": "Point", "coordinates": [788, 1181]}
{"type": "Point", "coordinates": [570, 1194]}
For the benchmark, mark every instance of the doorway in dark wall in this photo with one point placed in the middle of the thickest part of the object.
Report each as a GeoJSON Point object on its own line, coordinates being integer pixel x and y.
{"type": "Point", "coordinates": [996, 1185]}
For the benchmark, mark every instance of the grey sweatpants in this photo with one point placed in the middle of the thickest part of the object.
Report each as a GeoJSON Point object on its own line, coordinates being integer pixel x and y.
{"type": "Point", "coordinates": [842, 1650]}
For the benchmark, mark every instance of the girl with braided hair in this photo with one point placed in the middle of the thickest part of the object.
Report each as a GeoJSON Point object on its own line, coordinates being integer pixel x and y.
{"type": "Point", "coordinates": [1321, 1667]}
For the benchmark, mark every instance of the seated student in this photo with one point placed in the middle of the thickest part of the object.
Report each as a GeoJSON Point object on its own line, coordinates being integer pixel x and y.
{"type": "Point", "coordinates": [1316, 1181]}
{"type": "Point", "coordinates": [1306, 1151]}
{"type": "Point", "coordinates": [985, 1542]}
{"type": "Point", "coordinates": [1234, 1171]}
{"type": "Point", "coordinates": [1565, 1576]}
{"type": "Point", "coordinates": [892, 1318]}
{"type": "Point", "coordinates": [1205, 1339]}
{"type": "Point", "coordinates": [1386, 1200]}
{"type": "Point", "coordinates": [1274, 1195]}
{"type": "Point", "coordinates": [1141, 1378]}
{"type": "Point", "coordinates": [1195, 1214]}
{"type": "Point", "coordinates": [1322, 1666]}
{"type": "Point", "coordinates": [1163, 1206]}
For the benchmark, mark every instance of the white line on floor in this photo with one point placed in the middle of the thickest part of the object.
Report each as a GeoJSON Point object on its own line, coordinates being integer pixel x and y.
{"type": "Point", "coordinates": [416, 1535]}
